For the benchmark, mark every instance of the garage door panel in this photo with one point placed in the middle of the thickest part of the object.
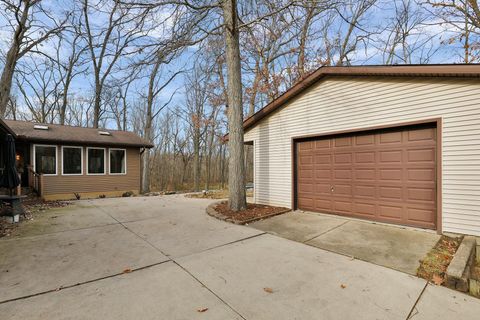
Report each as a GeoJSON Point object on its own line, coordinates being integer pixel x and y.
{"type": "Point", "coordinates": [421, 194]}
{"type": "Point", "coordinates": [342, 158]}
{"type": "Point", "coordinates": [323, 205]}
{"type": "Point", "coordinates": [386, 175]}
{"type": "Point", "coordinates": [421, 135]}
{"type": "Point", "coordinates": [342, 206]}
{"type": "Point", "coordinates": [362, 208]}
{"type": "Point", "coordinates": [390, 156]}
{"type": "Point", "coordinates": [342, 142]}
{"type": "Point", "coordinates": [323, 188]}
{"type": "Point", "coordinates": [305, 160]}
{"type": "Point", "coordinates": [306, 174]}
{"type": "Point", "coordinates": [421, 155]}
{"type": "Point", "coordinates": [421, 174]}
{"type": "Point", "coordinates": [323, 159]}
{"type": "Point", "coordinates": [390, 174]}
{"type": "Point", "coordinates": [365, 174]}
{"type": "Point", "coordinates": [365, 157]}
{"type": "Point", "coordinates": [365, 191]}
{"type": "Point", "coordinates": [343, 190]}
{"type": "Point", "coordinates": [390, 137]}
{"type": "Point", "coordinates": [365, 140]}
{"type": "Point", "coordinates": [391, 193]}
{"type": "Point", "coordinates": [391, 211]}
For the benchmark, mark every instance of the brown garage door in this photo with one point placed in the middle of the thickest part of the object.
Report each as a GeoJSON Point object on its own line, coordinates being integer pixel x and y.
{"type": "Point", "coordinates": [386, 175]}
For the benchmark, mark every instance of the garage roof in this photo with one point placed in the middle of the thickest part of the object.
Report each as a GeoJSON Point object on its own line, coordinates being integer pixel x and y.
{"type": "Point", "coordinates": [441, 70]}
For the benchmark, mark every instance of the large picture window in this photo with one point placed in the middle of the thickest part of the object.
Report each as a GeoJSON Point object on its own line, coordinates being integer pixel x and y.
{"type": "Point", "coordinates": [96, 160]}
{"type": "Point", "coordinates": [72, 160]}
{"type": "Point", "coordinates": [45, 159]}
{"type": "Point", "coordinates": [118, 161]}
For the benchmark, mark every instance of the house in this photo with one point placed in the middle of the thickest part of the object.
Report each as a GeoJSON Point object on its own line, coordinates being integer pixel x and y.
{"type": "Point", "coordinates": [60, 162]}
{"type": "Point", "coordinates": [393, 144]}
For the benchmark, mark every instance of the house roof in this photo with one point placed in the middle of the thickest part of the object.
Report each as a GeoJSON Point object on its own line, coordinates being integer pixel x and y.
{"type": "Point", "coordinates": [441, 70]}
{"type": "Point", "coordinates": [24, 130]}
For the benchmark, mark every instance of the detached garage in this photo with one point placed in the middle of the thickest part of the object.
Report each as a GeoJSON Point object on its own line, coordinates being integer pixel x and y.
{"type": "Point", "coordinates": [394, 144]}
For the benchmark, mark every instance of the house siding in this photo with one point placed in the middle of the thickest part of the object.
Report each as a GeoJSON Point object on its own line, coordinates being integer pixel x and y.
{"type": "Point", "coordinates": [347, 103]}
{"type": "Point", "coordinates": [64, 186]}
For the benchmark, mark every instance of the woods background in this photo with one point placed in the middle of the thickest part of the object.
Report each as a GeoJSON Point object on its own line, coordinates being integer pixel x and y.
{"type": "Point", "coordinates": [158, 67]}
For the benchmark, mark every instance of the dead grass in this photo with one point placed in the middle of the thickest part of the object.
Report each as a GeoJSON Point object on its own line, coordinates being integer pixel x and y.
{"type": "Point", "coordinates": [214, 194]}
{"type": "Point", "coordinates": [434, 266]}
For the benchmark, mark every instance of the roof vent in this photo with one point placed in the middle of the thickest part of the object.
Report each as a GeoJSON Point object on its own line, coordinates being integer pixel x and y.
{"type": "Point", "coordinates": [40, 127]}
{"type": "Point", "coordinates": [104, 133]}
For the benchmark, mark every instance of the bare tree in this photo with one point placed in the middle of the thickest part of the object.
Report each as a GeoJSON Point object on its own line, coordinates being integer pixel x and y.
{"type": "Point", "coordinates": [31, 25]}
{"type": "Point", "coordinates": [108, 43]}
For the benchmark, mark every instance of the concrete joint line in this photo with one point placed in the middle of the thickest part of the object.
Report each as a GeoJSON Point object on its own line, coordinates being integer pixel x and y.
{"type": "Point", "coordinates": [61, 231]}
{"type": "Point", "coordinates": [82, 283]}
{"type": "Point", "coordinates": [411, 314]}
{"type": "Point", "coordinates": [223, 245]}
{"type": "Point", "coordinates": [210, 290]}
{"type": "Point", "coordinates": [321, 234]}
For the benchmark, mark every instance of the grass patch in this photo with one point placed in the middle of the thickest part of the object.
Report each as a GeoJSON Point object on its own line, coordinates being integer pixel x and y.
{"type": "Point", "coordinates": [434, 266]}
{"type": "Point", "coordinates": [214, 194]}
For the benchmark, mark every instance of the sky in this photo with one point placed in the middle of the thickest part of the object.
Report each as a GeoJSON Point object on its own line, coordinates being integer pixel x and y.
{"type": "Point", "coordinates": [378, 17]}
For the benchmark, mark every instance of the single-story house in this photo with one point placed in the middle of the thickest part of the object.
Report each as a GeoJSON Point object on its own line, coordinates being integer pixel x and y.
{"type": "Point", "coordinates": [395, 144]}
{"type": "Point", "coordinates": [61, 162]}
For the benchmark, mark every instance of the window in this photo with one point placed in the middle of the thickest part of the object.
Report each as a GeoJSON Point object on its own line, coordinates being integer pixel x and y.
{"type": "Point", "coordinates": [72, 160]}
{"type": "Point", "coordinates": [45, 159]}
{"type": "Point", "coordinates": [118, 161]}
{"type": "Point", "coordinates": [96, 160]}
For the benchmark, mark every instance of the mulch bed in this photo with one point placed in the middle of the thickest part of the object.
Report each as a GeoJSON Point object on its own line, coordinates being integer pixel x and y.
{"type": "Point", "coordinates": [32, 206]}
{"type": "Point", "coordinates": [434, 266]}
{"type": "Point", "coordinates": [253, 212]}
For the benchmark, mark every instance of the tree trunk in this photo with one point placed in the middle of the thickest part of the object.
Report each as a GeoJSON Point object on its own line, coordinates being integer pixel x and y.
{"type": "Point", "coordinates": [97, 104]}
{"type": "Point", "coordinates": [11, 60]}
{"type": "Point", "coordinates": [146, 171]}
{"type": "Point", "coordinates": [236, 169]}
{"type": "Point", "coordinates": [196, 160]}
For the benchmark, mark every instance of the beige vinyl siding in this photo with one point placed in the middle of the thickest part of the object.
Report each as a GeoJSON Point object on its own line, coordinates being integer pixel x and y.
{"type": "Point", "coordinates": [69, 184]}
{"type": "Point", "coordinates": [346, 103]}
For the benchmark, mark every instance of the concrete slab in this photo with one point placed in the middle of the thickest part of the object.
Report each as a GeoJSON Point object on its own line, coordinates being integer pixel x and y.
{"type": "Point", "coordinates": [35, 264]}
{"type": "Point", "coordinates": [178, 236]}
{"type": "Point", "coordinates": [161, 292]}
{"type": "Point", "coordinates": [442, 303]}
{"type": "Point", "coordinates": [298, 226]}
{"type": "Point", "coordinates": [306, 282]}
{"type": "Point", "coordinates": [389, 246]}
{"type": "Point", "coordinates": [141, 208]}
{"type": "Point", "coordinates": [73, 217]}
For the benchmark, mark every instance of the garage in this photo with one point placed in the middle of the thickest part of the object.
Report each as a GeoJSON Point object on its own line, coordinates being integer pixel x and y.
{"type": "Point", "coordinates": [386, 175]}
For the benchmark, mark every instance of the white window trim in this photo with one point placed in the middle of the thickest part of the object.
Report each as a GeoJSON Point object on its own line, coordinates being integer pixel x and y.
{"type": "Point", "coordinates": [35, 160]}
{"type": "Point", "coordinates": [104, 162]}
{"type": "Point", "coordinates": [109, 166]}
{"type": "Point", "coordinates": [81, 161]}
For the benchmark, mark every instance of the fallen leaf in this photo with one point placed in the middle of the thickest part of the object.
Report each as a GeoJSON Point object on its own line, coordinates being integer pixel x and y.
{"type": "Point", "coordinates": [268, 290]}
{"type": "Point", "coordinates": [438, 280]}
{"type": "Point", "coordinates": [202, 309]}
{"type": "Point", "coordinates": [128, 270]}
{"type": "Point", "coordinates": [343, 286]}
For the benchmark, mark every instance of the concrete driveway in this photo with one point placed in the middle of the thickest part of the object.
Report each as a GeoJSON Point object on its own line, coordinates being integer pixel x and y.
{"type": "Point", "coordinates": [396, 247]}
{"type": "Point", "coordinates": [164, 258]}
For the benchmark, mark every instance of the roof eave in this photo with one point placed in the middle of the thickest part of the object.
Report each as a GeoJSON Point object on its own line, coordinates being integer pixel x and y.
{"type": "Point", "coordinates": [456, 70]}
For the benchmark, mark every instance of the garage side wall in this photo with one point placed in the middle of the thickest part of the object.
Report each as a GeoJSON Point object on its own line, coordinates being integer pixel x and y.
{"type": "Point", "coordinates": [352, 103]}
